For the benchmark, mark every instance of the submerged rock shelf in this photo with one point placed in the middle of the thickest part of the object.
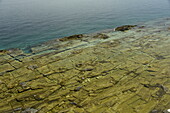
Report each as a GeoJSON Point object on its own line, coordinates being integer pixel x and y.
{"type": "Point", "coordinates": [126, 71]}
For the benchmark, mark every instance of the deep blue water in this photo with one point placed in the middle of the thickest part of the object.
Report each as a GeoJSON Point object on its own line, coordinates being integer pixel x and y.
{"type": "Point", "coordinates": [24, 23]}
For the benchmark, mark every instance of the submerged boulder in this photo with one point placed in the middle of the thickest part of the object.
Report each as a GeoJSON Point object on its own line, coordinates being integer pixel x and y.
{"type": "Point", "coordinates": [73, 37]}
{"type": "Point", "coordinates": [125, 27]}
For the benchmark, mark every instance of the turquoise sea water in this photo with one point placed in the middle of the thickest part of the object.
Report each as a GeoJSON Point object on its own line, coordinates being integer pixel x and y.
{"type": "Point", "coordinates": [24, 23]}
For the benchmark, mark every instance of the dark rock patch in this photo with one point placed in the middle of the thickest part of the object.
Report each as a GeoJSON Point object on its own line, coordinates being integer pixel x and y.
{"type": "Point", "coordinates": [125, 27]}
{"type": "Point", "coordinates": [3, 51]}
{"type": "Point", "coordinates": [32, 67]}
{"type": "Point", "coordinates": [141, 27]}
{"type": "Point", "coordinates": [78, 88]}
{"type": "Point", "coordinates": [159, 57]}
{"type": "Point", "coordinates": [88, 69]}
{"type": "Point", "coordinates": [100, 35]}
{"type": "Point", "coordinates": [73, 37]}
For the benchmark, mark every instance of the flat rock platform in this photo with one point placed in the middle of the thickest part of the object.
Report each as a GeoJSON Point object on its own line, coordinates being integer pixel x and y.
{"type": "Point", "coordinates": [125, 71]}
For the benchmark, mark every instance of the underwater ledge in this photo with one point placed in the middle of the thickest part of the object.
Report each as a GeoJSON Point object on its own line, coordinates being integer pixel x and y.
{"type": "Point", "coordinates": [123, 70]}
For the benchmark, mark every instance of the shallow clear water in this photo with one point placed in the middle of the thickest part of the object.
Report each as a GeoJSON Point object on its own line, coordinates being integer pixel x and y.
{"type": "Point", "coordinates": [25, 23]}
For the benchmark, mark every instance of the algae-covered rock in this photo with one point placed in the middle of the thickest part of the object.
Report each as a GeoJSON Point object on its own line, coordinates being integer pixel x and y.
{"type": "Point", "coordinates": [73, 37]}
{"type": "Point", "coordinates": [125, 27]}
{"type": "Point", "coordinates": [101, 36]}
{"type": "Point", "coordinates": [3, 51]}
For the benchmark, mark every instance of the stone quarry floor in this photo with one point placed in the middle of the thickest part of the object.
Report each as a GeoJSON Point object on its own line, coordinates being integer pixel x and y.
{"type": "Point", "coordinates": [108, 72]}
